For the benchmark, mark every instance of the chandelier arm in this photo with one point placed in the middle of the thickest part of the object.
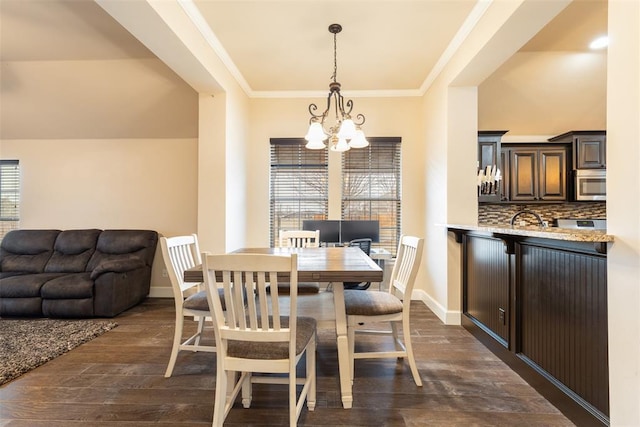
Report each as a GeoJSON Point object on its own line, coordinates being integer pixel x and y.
{"type": "Point", "coordinates": [360, 120]}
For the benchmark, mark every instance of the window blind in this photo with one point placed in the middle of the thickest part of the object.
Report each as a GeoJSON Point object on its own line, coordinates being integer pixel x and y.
{"type": "Point", "coordinates": [299, 185]}
{"type": "Point", "coordinates": [9, 190]}
{"type": "Point", "coordinates": [371, 187]}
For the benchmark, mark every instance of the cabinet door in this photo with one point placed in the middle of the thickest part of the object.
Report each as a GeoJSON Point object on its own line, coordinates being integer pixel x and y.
{"type": "Point", "coordinates": [590, 151]}
{"type": "Point", "coordinates": [524, 174]}
{"type": "Point", "coordinates": [487, 153]}
{"type": "Point", "coordinates": [552, 173]}
{"type": "Point", "coordinates": [506, 175]}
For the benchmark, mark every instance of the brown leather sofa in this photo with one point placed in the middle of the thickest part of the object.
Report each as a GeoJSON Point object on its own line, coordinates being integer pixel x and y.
{"type": "Point", "coordinates": [74, 273]}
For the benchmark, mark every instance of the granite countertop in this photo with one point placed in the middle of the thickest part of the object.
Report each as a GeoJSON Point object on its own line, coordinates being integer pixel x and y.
{"type": "Point", "coordinates": [598, 236]}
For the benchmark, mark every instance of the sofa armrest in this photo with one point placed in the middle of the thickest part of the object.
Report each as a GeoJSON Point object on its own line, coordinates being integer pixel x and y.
{"type": "Point", "coordinates": [117, 266]}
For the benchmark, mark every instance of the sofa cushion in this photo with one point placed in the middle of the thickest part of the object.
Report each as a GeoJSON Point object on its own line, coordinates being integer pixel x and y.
{"type": "Point", "coordinates": [119, 245]}
{"type": "Point", "coordinates": [72, 251]}
{"type": "Point", "coordinates": [26, 251]}
{"type": "Point", "coordinates": [69, 286]}
{"type": "Point", "coordinates": [25, 285]}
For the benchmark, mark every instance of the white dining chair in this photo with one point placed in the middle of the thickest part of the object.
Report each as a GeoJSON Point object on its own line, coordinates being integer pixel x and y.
{"type": "Point", "coordinates": [393, 306]}
{"type": "Point", "coordinates": [300, 239]}
{"type": "Point", "coordinates": [255, 337]}
{"type": "Point", "coordinates": [181, 253]}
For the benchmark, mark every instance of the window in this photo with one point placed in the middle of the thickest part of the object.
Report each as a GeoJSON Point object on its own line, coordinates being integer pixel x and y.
{"type": "Point", "coordinates": [299, 185]}
{"type": "Point", "coordinates": [9, 196]}
{"type": "Point", "coordinates": [371, 187]}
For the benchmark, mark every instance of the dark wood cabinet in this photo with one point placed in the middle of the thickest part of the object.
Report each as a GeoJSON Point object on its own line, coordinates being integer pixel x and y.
{"type": "Point", "coordinates": [489, 149]}
{"type": "Point", "coordinates": [486, 292]}
{"type": "Point", "coordinates": [536, 173]}
{"type": "Point", "coordinates": [542, 304]}
{"type": "Point", "coordinates": [589, 148]}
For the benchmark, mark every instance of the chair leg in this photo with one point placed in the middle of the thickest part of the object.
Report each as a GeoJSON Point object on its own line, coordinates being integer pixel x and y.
{"type": "Point", "coordinates": [247, 390]}
{"type": "Point", "coordinates": [177, 340]}
{"type": "Point", "coordinates": [293, 402]}
{"type": "Point", "coordinates": [200, 329]}
{"type": "Point", "coordinates": [409, 348]}
{"type": "Point", "coordinates": [220, 398]}
{"type": "Point", "coordinates": [311, 373]}
{"type": "Point", "coordinates": [396, 338]}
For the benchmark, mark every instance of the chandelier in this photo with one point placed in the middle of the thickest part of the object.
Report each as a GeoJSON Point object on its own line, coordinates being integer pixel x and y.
{"type": "Point", "coordinates": [345, 133]}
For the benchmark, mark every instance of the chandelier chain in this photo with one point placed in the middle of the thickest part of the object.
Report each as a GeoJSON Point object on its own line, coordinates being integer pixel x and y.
{"type": "Point", "coordinates": [335, 58]}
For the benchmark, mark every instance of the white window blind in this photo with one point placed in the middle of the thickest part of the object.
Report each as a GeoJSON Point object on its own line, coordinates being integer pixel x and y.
{"type": "Point", "coordinates": [299, 185]}
{"type": "Point", "coordinates": [371, 187]}
{"type": "Point", "coordinates": [9, 195]}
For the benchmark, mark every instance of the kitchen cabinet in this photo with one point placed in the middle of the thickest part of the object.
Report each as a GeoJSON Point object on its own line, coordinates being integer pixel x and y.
{"type": "Point", "coordinates": [489, 156]}
{"type": "Point", "coordinates": [535, 173]}
{"type": "Point", "coordinates": [589, 148]}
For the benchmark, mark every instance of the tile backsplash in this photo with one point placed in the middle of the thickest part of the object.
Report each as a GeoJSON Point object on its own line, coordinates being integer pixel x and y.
{"type": "Point", "coordinates": [499, 214]}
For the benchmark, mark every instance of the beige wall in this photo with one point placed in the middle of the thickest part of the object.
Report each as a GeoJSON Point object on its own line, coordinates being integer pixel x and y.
{"type": "Point", "coordinates": [545, 93]}
{"type": "Point", "coordinates": [125, 183]}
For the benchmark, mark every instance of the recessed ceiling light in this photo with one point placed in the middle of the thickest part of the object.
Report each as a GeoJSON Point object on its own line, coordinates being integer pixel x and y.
{"type": "Point", "coordinates": [600, 42]}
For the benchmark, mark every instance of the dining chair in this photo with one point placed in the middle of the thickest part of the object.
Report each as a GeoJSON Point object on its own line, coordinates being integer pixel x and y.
{"type": "Point", "coordinates": [255, 337]}
{"type": "Point", "coordinates": [392, 306]}
{"type": "Point", "coordinates": [181, 253]}
{"type": "Point", "coordinates": [365, 246]}
{"type": "Point", "coordinates": [300, 239]}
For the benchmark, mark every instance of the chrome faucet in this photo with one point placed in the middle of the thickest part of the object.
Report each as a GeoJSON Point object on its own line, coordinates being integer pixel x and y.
{"type": "Point", "coordinates": [526, 211]}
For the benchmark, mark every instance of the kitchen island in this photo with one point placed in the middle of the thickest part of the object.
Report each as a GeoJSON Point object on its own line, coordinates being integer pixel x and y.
{"type": "Point", "coordinates": [537, 297]}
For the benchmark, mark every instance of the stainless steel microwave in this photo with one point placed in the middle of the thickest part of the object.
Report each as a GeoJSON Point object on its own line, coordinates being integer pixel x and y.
{"type": "Point", "coordinates": [590, 184]}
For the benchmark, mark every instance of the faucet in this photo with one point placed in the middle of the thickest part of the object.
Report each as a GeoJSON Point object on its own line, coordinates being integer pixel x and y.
{"type": "Point", "coordinates": [526, 211]}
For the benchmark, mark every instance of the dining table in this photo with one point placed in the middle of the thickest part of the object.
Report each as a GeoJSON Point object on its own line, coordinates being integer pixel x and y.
{"type": "Point", "coordinates": [334, 265]}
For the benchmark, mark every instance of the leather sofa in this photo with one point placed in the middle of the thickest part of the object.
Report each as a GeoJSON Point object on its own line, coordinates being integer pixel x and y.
{"type": "Point", "coordinates": [74, 273]}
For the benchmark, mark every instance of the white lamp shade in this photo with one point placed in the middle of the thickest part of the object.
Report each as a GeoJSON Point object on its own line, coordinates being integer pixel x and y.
{"type": "Point", "coordinates": [347, 129]}
{"type": "Point", "coordinates": [315, 144]}
{"type": "Point", "coordinates": [315, 133]}
{"type": "Point", "coordinates": [341, 145]}
{"type": "Point", "coordinates": [359, 141]}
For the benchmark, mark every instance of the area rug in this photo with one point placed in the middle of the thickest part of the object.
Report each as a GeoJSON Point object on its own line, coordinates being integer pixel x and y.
{"type": "Point", "coordinates": [27, 344]}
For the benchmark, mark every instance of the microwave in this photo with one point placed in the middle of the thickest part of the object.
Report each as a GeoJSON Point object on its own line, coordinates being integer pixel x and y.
{"type": "Point", "coordinates": [590, 184]}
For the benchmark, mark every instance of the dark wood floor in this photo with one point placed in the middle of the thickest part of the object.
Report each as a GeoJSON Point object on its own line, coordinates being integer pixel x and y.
{"type": "Point", "coordinates": [117, 380]}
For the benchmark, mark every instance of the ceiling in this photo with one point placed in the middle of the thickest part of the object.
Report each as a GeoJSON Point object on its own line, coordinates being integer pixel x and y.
{"type": "Point", "coordinates": [388, 46]}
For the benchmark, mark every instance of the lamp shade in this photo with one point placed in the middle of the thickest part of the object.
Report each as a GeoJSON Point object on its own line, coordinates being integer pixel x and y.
{"type": "Point", "coordinates": [359, 141]}
{"type": "Point", "coordinates": [341, 145]}
{"type": "Point", "coordinates": [316, 133]}
{"type": "Point", "coordinates": [347, 129]}
{"type": "Point", "coordinates": [315, 144]}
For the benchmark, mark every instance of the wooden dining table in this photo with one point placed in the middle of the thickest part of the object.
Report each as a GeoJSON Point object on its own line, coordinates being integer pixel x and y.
{"type": "Point", "coordinates": [325, 264]}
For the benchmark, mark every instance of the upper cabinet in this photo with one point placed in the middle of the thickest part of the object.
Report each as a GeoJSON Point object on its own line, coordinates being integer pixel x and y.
{"type": "Point", "coordinates": [536, 173]}
{"type": "Point", "coordinates": [589, 148]}
{"type": "Point", "coordinates": [489, 166]}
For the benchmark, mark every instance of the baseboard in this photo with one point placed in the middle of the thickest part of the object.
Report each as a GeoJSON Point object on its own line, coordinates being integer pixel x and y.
{"type": "Point", "coordinates": [160, 292]}
{"type": "Point", "coordinates": [446, 316]}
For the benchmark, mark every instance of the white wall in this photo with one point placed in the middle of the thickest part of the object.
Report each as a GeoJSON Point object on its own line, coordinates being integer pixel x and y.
{"type": "Point", "coordinates": [623, 211]}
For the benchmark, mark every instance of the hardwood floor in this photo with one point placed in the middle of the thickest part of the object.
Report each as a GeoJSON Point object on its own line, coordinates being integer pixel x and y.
{"type": "Point", "coordinates": [117, 380]}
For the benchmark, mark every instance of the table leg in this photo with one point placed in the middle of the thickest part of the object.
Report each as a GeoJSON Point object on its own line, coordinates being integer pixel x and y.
{"type": "Point", "coordinates": [343, 345]}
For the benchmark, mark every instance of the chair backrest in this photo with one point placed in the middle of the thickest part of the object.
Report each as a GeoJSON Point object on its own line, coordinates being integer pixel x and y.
{"type": "Point", "coordinates": [251, 319]}
{"type": "Point", "coordinates": [299, 239]}
{"type": "Point", "coordinates": [405, 270]}
{"type": "Point", "coordinates": [180, 253]}
{"type": "Point", "coordinates": [364, 244]}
